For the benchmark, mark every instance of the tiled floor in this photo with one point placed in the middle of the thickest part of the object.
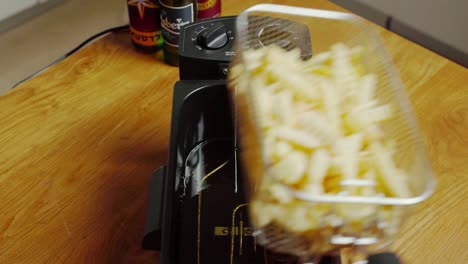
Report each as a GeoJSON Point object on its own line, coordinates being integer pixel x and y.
{"type": "Point", "coordinates": [31, 46]}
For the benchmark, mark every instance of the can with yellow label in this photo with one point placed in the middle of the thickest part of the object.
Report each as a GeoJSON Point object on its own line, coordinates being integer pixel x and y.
{"type": "Point", "coordinates": [209, 8]}
{"type": "Point", "coordinates": [145, 24]}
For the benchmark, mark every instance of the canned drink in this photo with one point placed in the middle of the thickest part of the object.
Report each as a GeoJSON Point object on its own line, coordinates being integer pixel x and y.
{"type": "Point", "coordinates": [209, 8]}
{"type": "Point", "coordinates": [145, 24]}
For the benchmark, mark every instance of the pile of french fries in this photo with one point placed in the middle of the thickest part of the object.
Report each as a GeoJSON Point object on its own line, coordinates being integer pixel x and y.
{"type": "Point", "coordinates": [320, 127]}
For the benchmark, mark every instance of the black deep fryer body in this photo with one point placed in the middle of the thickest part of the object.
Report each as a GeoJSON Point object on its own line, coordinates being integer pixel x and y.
{"type": "Point", "coordinates": [201, 139]}
{"type": "Point", "coordinates": [200, 114]}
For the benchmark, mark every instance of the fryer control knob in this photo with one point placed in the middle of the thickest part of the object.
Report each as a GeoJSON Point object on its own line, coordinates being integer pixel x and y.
{"type": "Point", "coordinates": [213, 37]}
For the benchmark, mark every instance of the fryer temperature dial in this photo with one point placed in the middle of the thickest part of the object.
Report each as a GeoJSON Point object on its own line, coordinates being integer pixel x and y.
{"type": "Point", "coordinates": [213, 37]}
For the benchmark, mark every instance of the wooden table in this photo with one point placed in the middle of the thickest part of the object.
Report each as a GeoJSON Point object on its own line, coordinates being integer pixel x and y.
{"type": "Point", "coordinates": [79, 142]}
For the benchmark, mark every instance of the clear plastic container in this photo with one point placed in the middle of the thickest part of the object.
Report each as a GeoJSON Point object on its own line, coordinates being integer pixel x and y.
{"type": "Point", "coordinates": [314, 31]}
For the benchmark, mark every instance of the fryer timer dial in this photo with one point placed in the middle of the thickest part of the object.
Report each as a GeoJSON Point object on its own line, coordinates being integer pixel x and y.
{"type": "Point", "coordinates": [212, 36]}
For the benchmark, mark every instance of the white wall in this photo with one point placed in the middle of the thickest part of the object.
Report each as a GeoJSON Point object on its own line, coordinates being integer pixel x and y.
{"type": "Point", "coordinates": [11, 7]}
{"type": "Point", "coordinates": [445, 20]}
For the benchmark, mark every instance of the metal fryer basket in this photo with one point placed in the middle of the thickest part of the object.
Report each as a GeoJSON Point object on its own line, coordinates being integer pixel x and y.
{"type": "Point", "coordinates": [257, 27]}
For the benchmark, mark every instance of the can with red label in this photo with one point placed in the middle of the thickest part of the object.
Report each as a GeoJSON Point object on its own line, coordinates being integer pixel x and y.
{"type": "Point", "coordinates": [145, 24]}
{"type": "Point", "coordinates": [209, 8]}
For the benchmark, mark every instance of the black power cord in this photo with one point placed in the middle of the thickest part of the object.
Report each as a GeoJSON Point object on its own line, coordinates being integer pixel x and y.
{"type": "Point", "coordinates": [84, 43]}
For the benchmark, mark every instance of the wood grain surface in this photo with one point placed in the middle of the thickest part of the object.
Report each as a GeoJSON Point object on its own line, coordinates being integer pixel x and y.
{"type": "Point", "coordinates": [79, 142]}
